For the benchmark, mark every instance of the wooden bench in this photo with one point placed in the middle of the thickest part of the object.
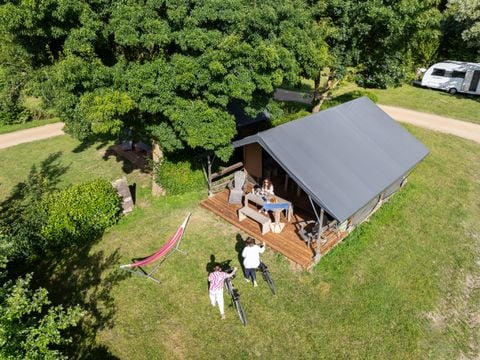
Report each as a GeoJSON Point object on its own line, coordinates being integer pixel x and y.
{"type": "Point", "coordinates": [253, 214]}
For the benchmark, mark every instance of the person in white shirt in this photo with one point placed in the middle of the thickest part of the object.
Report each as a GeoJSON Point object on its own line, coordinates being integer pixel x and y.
{"type": "Point", "coordinates": [251, 259]}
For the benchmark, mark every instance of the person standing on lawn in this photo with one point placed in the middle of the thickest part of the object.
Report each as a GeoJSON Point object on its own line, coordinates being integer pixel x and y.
{"type": "Point", "coordinates": [217, 280]}
{"type": "Point", "coordinates": [251, 259]}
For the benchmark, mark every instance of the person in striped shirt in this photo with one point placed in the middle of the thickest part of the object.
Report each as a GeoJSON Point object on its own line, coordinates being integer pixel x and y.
{"type": "Point", "coordinates": [217, 280]}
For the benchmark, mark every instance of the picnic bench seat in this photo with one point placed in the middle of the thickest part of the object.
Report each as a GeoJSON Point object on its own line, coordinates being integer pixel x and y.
{"type": "Point", "coordinates": [253, 214]}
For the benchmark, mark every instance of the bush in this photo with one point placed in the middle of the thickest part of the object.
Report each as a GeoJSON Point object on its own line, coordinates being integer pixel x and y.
{"type": "Point", "coordinates": [289, 117]}
{"type": "Point", "coordinates": [390, 73]}
{"type": "Point", "coordinates": [80, 213]}
{"type": "Point", "coordinates": [348, 97]}
{"type": "Point", "coordinates": [179, 177]}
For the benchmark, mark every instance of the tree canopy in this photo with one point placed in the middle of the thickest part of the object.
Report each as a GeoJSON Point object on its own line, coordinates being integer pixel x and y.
{"type": "Point", "coordinates": [461, 28]}
{"type": "Point", "coordinates": [167, 67]}
{"type": "Point", "coordinates": [383, 40]}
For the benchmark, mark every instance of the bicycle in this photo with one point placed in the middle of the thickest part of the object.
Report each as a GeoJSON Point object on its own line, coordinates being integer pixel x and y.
{"type": "Point", "coordinates": [234, 294]}
{"type": "Point", "coordinates": [266, 276]}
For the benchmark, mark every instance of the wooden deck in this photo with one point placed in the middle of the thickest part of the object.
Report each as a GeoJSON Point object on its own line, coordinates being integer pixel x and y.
{"type": "Point", "coordinates": [288, 242]}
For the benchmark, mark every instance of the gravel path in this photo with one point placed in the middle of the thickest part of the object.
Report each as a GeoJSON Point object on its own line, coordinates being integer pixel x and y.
{"type": "Point", "coordinates": [37, 133]}
{"type": "Point", "coordinates": [459, 128]}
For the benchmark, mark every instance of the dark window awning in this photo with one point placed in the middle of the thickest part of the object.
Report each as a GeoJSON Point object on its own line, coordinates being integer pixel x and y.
{"type": "Point", "coordinates": [342, 157]}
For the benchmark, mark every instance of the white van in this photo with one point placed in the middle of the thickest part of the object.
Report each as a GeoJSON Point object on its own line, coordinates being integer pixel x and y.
{"type": "Point", "coordinates": [453, 76]}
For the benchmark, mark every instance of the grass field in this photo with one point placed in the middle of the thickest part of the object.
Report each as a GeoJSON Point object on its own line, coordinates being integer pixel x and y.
{"type": "Point", "coordinates": [402, 286]}
{"type": "Point", "coordinates": [78, 163]}
{"type": "Point", "coordinates": [461, 107]}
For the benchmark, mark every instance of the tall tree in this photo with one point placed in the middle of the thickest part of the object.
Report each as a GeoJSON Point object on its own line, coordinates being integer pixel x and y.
{"type": "Point", "coordinates": [461, 30]}
{"type": "Point", "coordinates": [167, 67]}
{"type": "Point", "coordinates": [381, 41]}
{"type": "Point", "coordinates": [30, 327]}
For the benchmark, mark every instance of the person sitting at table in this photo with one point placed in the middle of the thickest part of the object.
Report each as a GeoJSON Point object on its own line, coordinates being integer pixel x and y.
{"type": "Point", "coordinates": [266, 192]}
{"type": "Point", "coordinates": [267, 187]}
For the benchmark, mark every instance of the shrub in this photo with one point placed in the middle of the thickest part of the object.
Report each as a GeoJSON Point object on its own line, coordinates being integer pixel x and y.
{"type": "Point", "coordinates": [348, 97]}
{"type": "Point", "coordinates": [289, 117]}
{"type": "Point", "coordinates": [180, 176]}
{"type": "Point", "coordinates": [80, 213]}
{"type": "Point", "coordinates": [30, 327]}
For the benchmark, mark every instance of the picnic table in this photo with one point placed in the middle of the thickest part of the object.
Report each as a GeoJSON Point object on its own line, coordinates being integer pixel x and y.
{"type": "Point", "coordinates": [276, 207]}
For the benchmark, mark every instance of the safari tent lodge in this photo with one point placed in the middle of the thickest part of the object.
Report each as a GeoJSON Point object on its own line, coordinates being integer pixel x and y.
{"type": "Point", "coordinates": [330, 170]}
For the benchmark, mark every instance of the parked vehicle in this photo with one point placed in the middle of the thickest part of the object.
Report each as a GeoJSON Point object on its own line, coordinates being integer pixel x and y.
{"type": "Point", "coordinates": [453, 76]}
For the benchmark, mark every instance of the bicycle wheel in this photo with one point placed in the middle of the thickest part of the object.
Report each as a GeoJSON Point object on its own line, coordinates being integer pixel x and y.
{"type": "Point", "coordinates": [269, 280]}
{"type": "Point", "coordinates": [240, 312]}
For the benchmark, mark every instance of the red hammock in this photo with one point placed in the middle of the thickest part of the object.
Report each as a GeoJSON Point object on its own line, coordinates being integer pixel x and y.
{"type": "Point", "coordinates": [162, 253]}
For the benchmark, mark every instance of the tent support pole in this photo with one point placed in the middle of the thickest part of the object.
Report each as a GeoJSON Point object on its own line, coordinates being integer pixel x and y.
{"type": "Point", "coordinates": [319, 234]}
{"type": "Point", "coordinates": [318, 255]}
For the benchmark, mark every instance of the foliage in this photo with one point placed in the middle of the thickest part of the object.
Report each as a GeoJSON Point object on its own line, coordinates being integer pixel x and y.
{"type": "Point", "coordinates": [169, 67]}
{"type": "Point", "coordinates": [15, 71]}
{"type": "Point", "coordinates": [380, 38]}
{"type": "Point", "coordinates": [398, 289]}
{"type": "Point", "coordinates": [467, 12]}
{"type": "Point", "coordinates": [22, 213]}
{"type": "Point", "coordinates": [30, 327]}
{"type": "Point", "coordinates": [39, 219]}
{"type": "Point", "coordinates": [348, 96]}
{"type": "Point", "coordinates": [79, 213]}
{"type": "Point", "coordinates": [179, 176]}
{"type": "Point", "coordinates": [461, 30]}
{"type": "Point", "coordinates": [290, 117]}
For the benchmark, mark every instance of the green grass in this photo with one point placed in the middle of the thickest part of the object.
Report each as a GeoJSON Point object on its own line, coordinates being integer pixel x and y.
{"type": "Point", "coordinates": [80, 163]}
{"type": "Point", "coordinates": [28, 125]}
{"type": "Point", "coordinates": [402, 286]}
{"type": "Point", "coordinates": [459, 107]}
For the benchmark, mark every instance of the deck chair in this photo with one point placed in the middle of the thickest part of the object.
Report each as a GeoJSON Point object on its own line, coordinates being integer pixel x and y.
{"type": "Point", "coordinates": [237, 187]}
{"type": "Point", "coordinates": [160, 255]}
{"type": "Point", "coordinates": [309, 230]}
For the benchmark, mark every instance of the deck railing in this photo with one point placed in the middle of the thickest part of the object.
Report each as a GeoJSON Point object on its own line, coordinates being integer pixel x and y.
{"type": "Point", "coordinates": [219, 180]}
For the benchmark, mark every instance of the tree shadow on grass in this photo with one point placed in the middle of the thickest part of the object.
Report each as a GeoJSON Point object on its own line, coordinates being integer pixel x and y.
{"type": "Point", "coordinates": [77, 276]}
{"type": "Point", "coordinates": [17, 212]}
{"type": "Point", "coordinates": [239, 246]}
{"type": "Point", "coordinates": [72, 276]}
{"type": "Point", "coordinates": [97, 142]}
{"type": "Point", "coordinates": [40, 180]}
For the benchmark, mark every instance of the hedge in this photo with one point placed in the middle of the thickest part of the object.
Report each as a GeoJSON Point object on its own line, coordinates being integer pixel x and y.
{"type": "Point", "coordinates": [80, 213]}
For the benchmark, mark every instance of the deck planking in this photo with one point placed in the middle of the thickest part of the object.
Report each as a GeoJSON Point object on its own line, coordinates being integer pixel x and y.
{"type": "Point", "coordinates": [288, 242]}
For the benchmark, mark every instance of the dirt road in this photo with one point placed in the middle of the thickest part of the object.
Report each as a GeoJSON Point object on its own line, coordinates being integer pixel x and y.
{"type": "Point", "coordinates": [429, 121]}
{"type": "Point", "coordinates": [37, 133]}
{"type": "Point", "coordinates": [434, 122]}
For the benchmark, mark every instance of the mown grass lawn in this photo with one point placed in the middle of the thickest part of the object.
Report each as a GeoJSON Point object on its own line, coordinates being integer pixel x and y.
{"type": "Point", "coordinates": [75, 162]}
{"type": "Point", "coordinates": [461, 107]}
{"type": "Point", "coordinates": [402, 286]}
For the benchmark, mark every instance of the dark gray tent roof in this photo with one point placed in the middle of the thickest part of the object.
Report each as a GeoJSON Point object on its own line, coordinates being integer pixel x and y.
{"type": "Point", "coordinates": [342, 157]}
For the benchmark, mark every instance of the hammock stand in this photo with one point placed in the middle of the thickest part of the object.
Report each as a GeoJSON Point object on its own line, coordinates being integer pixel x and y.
{"type": "Point", "coordinates": [162, 254]}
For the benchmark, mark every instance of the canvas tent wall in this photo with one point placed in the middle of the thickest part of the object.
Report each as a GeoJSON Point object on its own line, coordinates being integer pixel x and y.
{"type": "Point", "coordinates": [345, 157]}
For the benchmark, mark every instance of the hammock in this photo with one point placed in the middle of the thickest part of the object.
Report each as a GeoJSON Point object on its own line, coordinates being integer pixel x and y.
{"type": "Point", "coordinates": [163, 253]}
